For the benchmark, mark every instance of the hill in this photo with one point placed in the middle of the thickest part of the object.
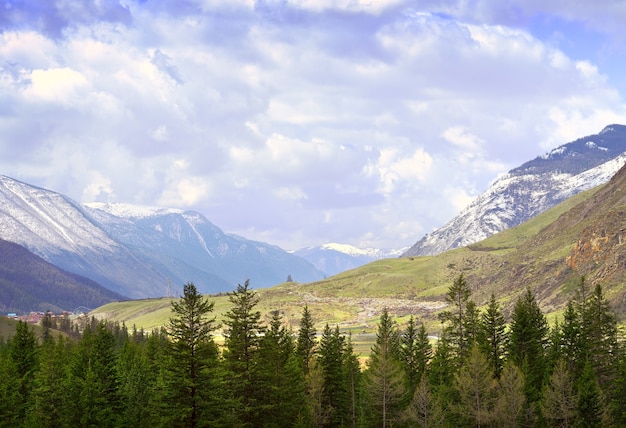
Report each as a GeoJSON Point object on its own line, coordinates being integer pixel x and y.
{"type": "Point", "coordinates": [582, 236]}
{"type": "Point", "coordinates": [29, 283]}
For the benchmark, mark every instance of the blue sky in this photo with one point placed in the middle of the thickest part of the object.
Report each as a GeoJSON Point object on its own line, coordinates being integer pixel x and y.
{"type": "Point", "coordinates": [300, 122]}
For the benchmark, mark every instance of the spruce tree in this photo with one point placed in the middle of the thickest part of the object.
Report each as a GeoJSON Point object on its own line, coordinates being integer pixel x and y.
{"type": "Point", "coordinates": [49, 392]}
{"type": "Point", "coordinates": [280, 382]}
{"type": "Point", "coordinates": [334, 399]}
{"type": "Point", "coordinates": [559, 401]}
{"type": "Point", "coordinates": [528, 339]}
{"type": "Point", "coordinates": [492, 335]}
{"type": "Point", "coordinates": [476, 390]}
{"type": "Point", "coordinates": [306, 340]}
{"type": "Point", "coordinates": [415, 352]}
{"type": "Point", "coordinates": [242, 336]}
{"type": "Point", "coordinates": [23, 351]}
{"type": "Point", "coordinates": [455, 319]}
{"type": "Point", "coordinates": [189, 384]}
{"type": "Point", "coordinates": [384, 379]}
{"type": "Point", "coordinates": [510, 397]}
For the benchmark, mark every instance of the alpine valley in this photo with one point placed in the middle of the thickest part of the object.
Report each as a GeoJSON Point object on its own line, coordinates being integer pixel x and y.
{"type": "Point", "coordinates": [144, 252]}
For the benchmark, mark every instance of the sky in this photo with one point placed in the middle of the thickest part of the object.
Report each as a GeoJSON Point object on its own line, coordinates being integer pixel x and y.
{"type": "Point", "coordinates": [301, 122]}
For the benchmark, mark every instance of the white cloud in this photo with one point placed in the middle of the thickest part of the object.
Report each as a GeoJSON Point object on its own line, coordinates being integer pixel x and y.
{"type": "Point", "coordinates": [355, 121]}
{"type": "Point", "coordinates": [57, 85]}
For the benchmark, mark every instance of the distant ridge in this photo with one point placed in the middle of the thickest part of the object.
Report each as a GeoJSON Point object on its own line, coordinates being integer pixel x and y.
{"type": "Point", "coordinates": [333, 258]}
{"type": "Point", "coordinates": [29, 283]}
{"type": "Point", "coordinates": [530, 189]}
{"type": "Point", "coordinates": [140, 251]}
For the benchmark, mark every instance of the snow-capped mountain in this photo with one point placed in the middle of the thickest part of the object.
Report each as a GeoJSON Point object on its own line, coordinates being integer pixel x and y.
{"type": "Point", "coordinates": [334, 258]}
{"type": "Point", "coordinates": [530, 189]}
{"type": "Point", "coordinates": [139, 251]}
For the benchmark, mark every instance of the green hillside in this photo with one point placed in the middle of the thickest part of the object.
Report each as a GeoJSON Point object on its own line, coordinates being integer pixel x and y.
{"type": "Point", "coordinates": [506, 263]}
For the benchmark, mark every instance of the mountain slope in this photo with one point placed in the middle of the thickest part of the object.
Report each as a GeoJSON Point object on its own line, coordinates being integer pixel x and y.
{"type": "Point", "coordinates": [334, 258]}
{"type": "Point", "coordinates": [29, 283]}
{"type": "Point", "coordinates": [185, 241]}
{"type": "Point", "coordinates": [139, 251]}
{"type": "Point", "coordinates": [584, 235]}
{"type": "Point", "coordinates": [531, 189]}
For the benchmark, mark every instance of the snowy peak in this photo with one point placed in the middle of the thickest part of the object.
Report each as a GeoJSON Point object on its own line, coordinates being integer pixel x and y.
{"type": "Point", "coordinates": [333, 258]}
{"type": "Point", "coordinates": [137, 251]}
{"type": "Point", "coordinates": [132, 211]}
{"type": "Point", "coordinates": [530, 189]}
{"type": "Point", "coordinates": [350, 250]}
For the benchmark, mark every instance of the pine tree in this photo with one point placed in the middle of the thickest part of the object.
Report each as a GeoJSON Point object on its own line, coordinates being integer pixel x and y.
{"type": "Point", "coordinates": [492, 335]}
{"type": "Point", "coordinates": [528, 339]}
{"type": "Point", "coordinates": [352, 370]}
{"type": "Point", "coordinates": [559, 399]}
{"type": "Point", "coordinates": [476, 390]}
{"type": "Point", "coordinates": [23, 356]}
{"type": "Point", "coordinates": [306, 340]}
{"type": "Point", "coordinates": [49, 392]}
{"type": "Point", "coordinates": [189, 383]}
{"type": "Point", "coordinates": [242, 335]}
{"type": "Point", "coordinates": [590, 405]}
{"type": "Point", "coordinates": [456, 318]}
{"type": "Point", "coordinates": [334, 400]}
{"type": "Point", "coordinates": [600, 332]}
{"type": "Point", "coordinates": [424, 410]}
{"type": "Point", "coordinates": [384, 378]}
{"type": "Point", "coordinates": [510, 397]}
{"type": "Point", "coordinates": [415, 352]}
{"type": "Point", "coordinates": [135, 385]}
{"type": "Point", "coordinates": [92, 379]}
{"type": "Point", "coordinates": [9, 393]}
{"type": "Point", "coordinates": [280, 381]}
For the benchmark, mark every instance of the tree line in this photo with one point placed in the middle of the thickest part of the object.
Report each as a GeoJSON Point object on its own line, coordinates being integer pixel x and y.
{"type": "Point", "coordinates": [483, 370]}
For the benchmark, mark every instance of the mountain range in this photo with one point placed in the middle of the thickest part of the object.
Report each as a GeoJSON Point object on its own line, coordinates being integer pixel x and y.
{"type": "Point", "coordinates": [530, 189]}
{"type": "Point", "coordinates": [334, 258]}
{"type": "Point", "coordinates": [136, 251]}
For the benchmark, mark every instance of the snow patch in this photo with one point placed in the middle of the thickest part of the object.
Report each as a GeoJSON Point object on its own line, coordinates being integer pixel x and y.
{"type": "Point", "coordinates": [132, 210]}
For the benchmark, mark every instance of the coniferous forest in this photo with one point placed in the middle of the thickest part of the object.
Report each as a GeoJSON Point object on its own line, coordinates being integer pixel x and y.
{"type": "Point", "coordinates": [484, 370]}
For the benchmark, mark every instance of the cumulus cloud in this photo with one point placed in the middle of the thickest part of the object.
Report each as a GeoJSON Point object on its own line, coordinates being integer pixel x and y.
{"type": "Point", "coordinates": [295, 122]}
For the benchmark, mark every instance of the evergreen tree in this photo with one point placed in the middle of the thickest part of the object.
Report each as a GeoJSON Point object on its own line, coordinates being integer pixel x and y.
{"type": "Point", "coordinates": [510, 397]}
{"type": "Point", "coordinates": [456, 318]}
{"type": "Point", "coordinates": [334, 401]}
{"type": "Point", "coordinates": [492, 335]}
{"type": "Point", "coordinates": [384, 377]}
{"type": "Point", "coordinates": [92, 379]}
{"type": "Point", "coordinates": [528, 340]}
{"type": "Point", "coordinates": [242, 335]}
{"type": "Point", "coordinates": [441, 371]}
{"type": "Point", "coordinates": [590, 405]}
{"type": "Point", "coordinates": [280, 381]}
{"type": "Point", "coordinates": [476, 390]}
{"type": "Point", "coordinates": [600, 332]}
{"type": "Point", "coordinates": [306, 340]}
{"type": "Point", "coordinates": [190, 385]}
{"type": "Point", "coordinates": [9, 393]}
{"type": "Point", "coordinates": [559, 399]}
{"type": "Point", "coordinates": [415, 352]}
{"type": "Point", "coordinates": [352, 369]}
{"type": "Point", "coordinates": [136, 384]}
{"type": "Point", "coordinates": [49, 392]}
{"type": "Point", "coordinates": [424, 410]}
{"type": "Point", "coordinates": [23, 356]}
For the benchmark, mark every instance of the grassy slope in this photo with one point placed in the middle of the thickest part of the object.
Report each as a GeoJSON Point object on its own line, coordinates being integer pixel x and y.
{"type": "Point", "coordinates": [408, 286]}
